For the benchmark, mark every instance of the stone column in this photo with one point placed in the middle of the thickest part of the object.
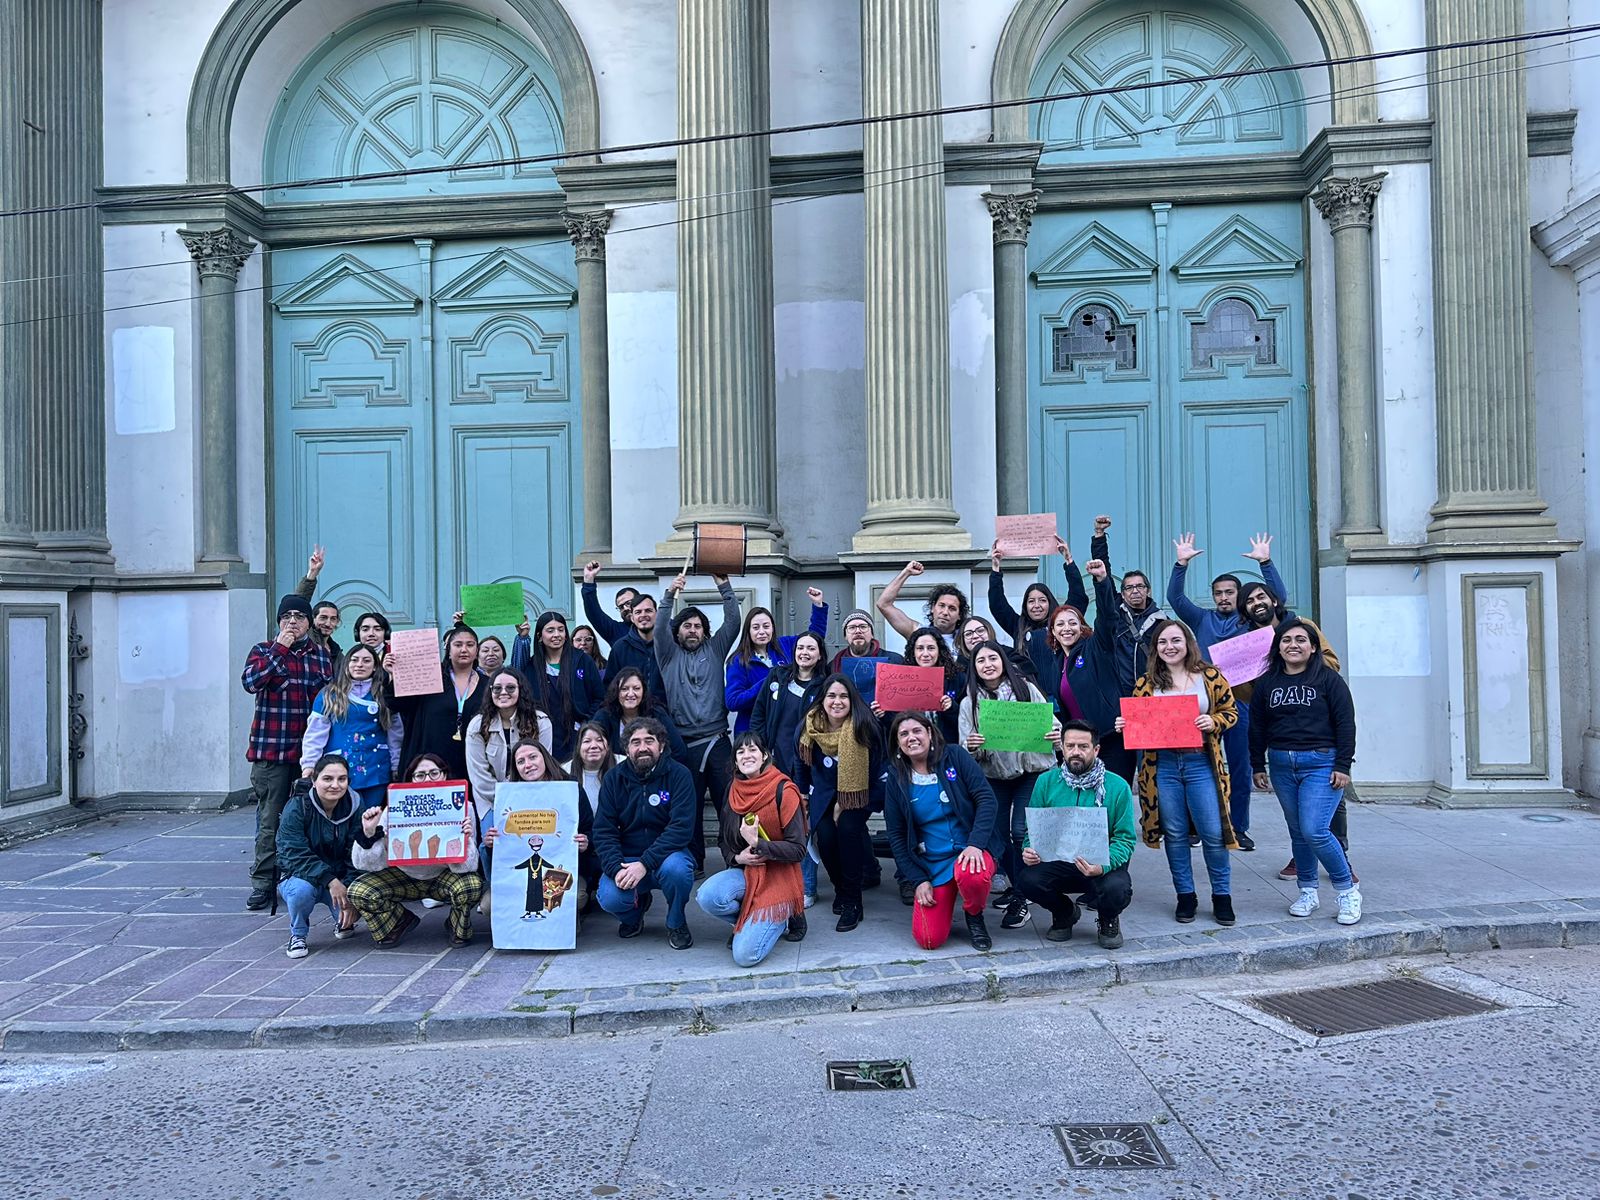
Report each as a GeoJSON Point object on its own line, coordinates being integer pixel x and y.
{"type": "Point", "coordinates": [1012, 213]}
{"type": "Point", "coordinates": [1347, 203]}
{"type": "Point", "coordinates": [909, 504]}
{"type": "Point", "coordinates": [727, 440]}
{"type": "Point", "coordinates": [1488, 471]}
{"type": "Point", "coordinates": [588, 233]}
{"type": "Point", "coordinates": [219, 254]}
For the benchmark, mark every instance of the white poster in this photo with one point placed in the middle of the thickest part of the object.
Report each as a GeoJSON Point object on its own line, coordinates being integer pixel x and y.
{"type": "Point", "coordinates": [1068, 834]}
{"type": "Point", "coordinates": [534, 880]}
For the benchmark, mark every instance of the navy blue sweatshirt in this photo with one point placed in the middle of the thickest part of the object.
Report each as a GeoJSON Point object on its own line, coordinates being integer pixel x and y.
{"type": "Point", "coordinates": [643, 819]}
{"type": "Point", "coordinates": [1309, 711]}
{"type": "Point", "coordinates": [973, 800]}
{"type": "Point", "coordinates": [780, 714]}
{"type": "Point", "coordinates": [628, 649]}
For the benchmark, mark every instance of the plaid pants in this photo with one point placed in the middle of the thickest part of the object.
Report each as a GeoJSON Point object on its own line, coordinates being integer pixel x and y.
{"type": "Point", "coordinates": [379, 897]}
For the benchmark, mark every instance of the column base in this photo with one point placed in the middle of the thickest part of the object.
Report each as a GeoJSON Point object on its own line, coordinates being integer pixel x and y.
{"type": "Point", "coordinates": [912, 530]}
{"type": "Point", "coordinates": [76, 547]}
{"type": "Point", "coordinates": [1589, 775]}
{"type": "Point", "coordinates": [1491, 521]}
{"type": "Point", "coordinates": [1536, 797]}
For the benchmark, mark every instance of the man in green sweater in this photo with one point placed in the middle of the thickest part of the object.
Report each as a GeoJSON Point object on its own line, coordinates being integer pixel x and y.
{"type": "Point", "coordinates": [1081, 781]}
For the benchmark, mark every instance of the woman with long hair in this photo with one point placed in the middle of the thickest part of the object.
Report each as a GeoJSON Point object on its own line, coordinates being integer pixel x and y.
{"type": "Point", "coordinates": [315, 835]}
{"type": "Point", "coordinates": [509, 716]}
{"type": "Point", "coordinates": [1030, 629]}
{"type": "Point", "coordinates": [532, 762]}
{"type": "Point", "coordinates": [586, 640]}
{"type": "Point", "coordinates": [779, 718]}
{"type": "Point", "coordinates": [925, 648]}
{"type": "Point", "coordinates": [627, 699]}
{"type": "Point", "coordinates": [841, 771]}
{"type": "Point", "coordinates": [436, 723]}
{"type": "Point", "coordinates": [758, 651]}
{"type": "Point", "coordinates": [565, 681]}
{"type": "Point", "coordinates": [589, 767]}
{"type": "Point", "coordinates": [350, 717]}
{"type": "Point", "coordinates": [1183, 789]}
{"type": "Point", "coordinates": [1075, 681]}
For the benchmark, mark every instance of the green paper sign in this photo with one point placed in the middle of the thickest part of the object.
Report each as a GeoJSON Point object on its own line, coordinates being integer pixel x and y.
{"type": "Point", "coordinates": [492, 603]}
{"type": "Point", "coordinates": [1015, 725]}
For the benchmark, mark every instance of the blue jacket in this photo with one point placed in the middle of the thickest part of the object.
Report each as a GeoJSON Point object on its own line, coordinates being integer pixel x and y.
{"type": "Point", "coordinates": [779, 714]}
{"type": "Point", "coordinates": [628, 649]}
{"type": "Point", "coordinates": [569, 699]}
{"type": "Point", "coordinates": [744, 682]}
{"type": "Point", "coordinates": [629, 828]}
{"type": "Point", "coordinates": [314, 846]}
{"type": "Point", "coordinates": [970, 796]}
{"type": "Point", "coordinates": [1208, 624]}
{"type": "Point", "coordinates": [1036, 642]}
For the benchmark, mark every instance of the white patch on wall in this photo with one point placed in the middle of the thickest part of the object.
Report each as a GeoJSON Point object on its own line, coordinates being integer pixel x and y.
{"type": "Point", "coordinates": [820, 335]}
{"type": "Point", "coordinates": [152, 638]}
{"type": "Point", "coordinates": [643, 329]}
{"type": "Point", "coordinates": [1388, 635]}
{"type": "Point", "coordinates": [27, 726]}
{"type": "Point", "coordinates": [1500, 627]}
{"type": "Point", "coordinates": [144, 379]}
{"type": "Point", "coordinates": [971, 332]}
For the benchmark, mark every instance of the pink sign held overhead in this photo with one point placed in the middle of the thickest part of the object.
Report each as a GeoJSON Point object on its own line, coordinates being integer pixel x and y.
{"type": "Point", "coordinates": [1243, 658]}
{"type": "Point", "coordinates": [1032, 535]}
{"type": "Point", "coordinates": [416, 662]}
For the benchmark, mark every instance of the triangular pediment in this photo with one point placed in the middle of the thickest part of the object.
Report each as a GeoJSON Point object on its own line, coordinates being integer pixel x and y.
{"type": "Point", "coordinates": [345, 285]}
{"type": "Point", "coordinates": [1235, 248]}
{"type": "Point", "coordinates": [1095, 255]}
{"type": "Point", "coordinates": [506, 279]}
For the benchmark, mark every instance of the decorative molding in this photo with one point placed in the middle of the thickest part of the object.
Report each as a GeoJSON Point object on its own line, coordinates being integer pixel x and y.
{"type": "Point", "coordinates": [220, 253]}
{"type": "Point", "coordinates": [588, 233]}
{"type": "Point", "coordinates": [504, 279]}
{"type": "Point", "coordinates": [1235, 249]}
{"type": "Point", "coordinates": [1572, 237]}
{"type": "Point", "coordinates": [346, 285]}
{"type": "Point", "coordinates": [77, 722]}
{"type": "Point", "coordinates": [1347, 202]}
{"type": "Point", "coordinates": [1537, 765]}
{"type": "Point", "coordinates": [1012, 214]}
{"type": "Point", "coordinates": [1096, 255]}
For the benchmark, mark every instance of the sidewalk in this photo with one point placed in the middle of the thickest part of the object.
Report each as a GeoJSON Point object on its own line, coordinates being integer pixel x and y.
{"type": "Point", "coordinates": [130, 932]}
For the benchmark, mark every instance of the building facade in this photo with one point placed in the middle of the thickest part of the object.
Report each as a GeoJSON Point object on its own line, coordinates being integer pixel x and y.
{"type": "Point", "coordinates": [431, 285]}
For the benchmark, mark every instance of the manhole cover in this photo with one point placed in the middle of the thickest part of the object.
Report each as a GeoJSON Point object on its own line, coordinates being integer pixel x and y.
{"type": "Point", "coordinates": [1112, 1147]}
{"type": "Point", "coordinates": [1363, 1007]}
{"type": "Point", "coordinates": [881, 1075]}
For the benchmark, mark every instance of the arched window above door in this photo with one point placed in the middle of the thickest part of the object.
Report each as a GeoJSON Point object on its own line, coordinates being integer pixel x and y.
{"type": "Point", "coordinates": [1233, 330]}
{"type": "Point", "coordinates": [1094, 335]}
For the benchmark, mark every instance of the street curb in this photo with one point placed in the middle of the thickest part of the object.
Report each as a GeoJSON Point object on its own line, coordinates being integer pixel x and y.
{"type": "Point", "coordinates": [971, 979]}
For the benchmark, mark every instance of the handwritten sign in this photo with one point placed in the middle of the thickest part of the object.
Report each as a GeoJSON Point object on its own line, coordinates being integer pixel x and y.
{"type": "Point", "coordinates": [492, 603]}
{"type": "Point", "coordinates": [1028, 536]}
{"type": "Point", "coordinates": [423, 823]}
{"type": "Point", "coordinates": [863, 672]}
{"type": "Point", "coordinates": [1067, 834]}
{"type": "Point", "coordinates": [533, 876]}
{"type": "Point", "coordinates": [416, 662]}
{"type": "Point", "coordinates": [1161, 723]}
{"type": "Point", "coordinates": [909, 689]}
{"type": "Point", "coordinates": [1243, 658]}
{"type": "Point", "coordinates": [1015, 725]}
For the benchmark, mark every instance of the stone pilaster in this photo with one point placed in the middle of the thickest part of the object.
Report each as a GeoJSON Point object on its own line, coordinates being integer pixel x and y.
{"type": "Point", "coordinates": [219, 255]}
{"type": "Point", "coordinates": [1488, 472]}
{"type": "Point", "coordinates": [727, 440]}
{"type": "Point", "coordinates": [1347, 203]}
{"type": "Point", "coordinates": [1012, 213]}
{"type": "Point", "coordinates": [588, 233]}
{"type": "Point", "coordinates": [909, 494]}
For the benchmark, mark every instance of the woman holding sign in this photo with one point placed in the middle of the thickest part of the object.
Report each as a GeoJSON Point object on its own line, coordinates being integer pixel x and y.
{"type": "Point", "coordinates": [841, 769]}
{"type": "Point", "coordinates": [925, 648]}
{"type": "Point", "coordinates": [994, 679]}
{"type": "Point", "coordinates": [1182, 788]}
{"type": "Point", "coordinates": [436, 723]}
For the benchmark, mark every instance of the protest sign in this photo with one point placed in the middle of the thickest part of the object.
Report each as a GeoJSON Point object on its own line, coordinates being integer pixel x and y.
{"type": "Point", "coordinates": [423, 823]}
{"type": "Point", "coordinates": [1015, 725]}
{"type": "Point", "coordinates": [533, 879]}
{"type": "Point", "coordinates": [492, 603]}
{"type": "Point", "coordinates": [1067, 834]}
{"type": "Point", "coordinates": [909, 689]}
{"type": "Point", "coordinates": [1243, 658]}
{"type": "Point", "coordinates": [416, 662]}
{"type": "Point", "coordinates": [1030, 536]}
{"type": "Point", "coordinates": [863, 672]}
{"type": "Point", "coordinates": [1161, 723]}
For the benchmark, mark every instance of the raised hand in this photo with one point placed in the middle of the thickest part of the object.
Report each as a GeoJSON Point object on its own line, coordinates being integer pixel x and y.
{"type": "Point", "coordinates": [315, 562]}
{"type": "Point", "coordinates": [1101, 524]}
{"type": "Point", "coordinates": [994, 555]}
{"type": "Point", "coordinates": [815, 596]}
{"type": "Point", "coordinates": [1096, 569]}
{"type": "Point", "coordinates": [1063, 549]}
{"type": "Point", "coordinates": [590, 570]}
{"type": "Point", "coordinates": [1186, 549]}
{"type": "Point", "coordinates": [1260, 547]}
{"type": "Point", "coordinates": [678, 584]}
{"type": "Point", "coordinates": [914, 568]}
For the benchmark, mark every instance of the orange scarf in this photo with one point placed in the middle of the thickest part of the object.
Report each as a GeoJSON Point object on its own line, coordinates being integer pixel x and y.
{"type": "Point", "coordinates": [773, 891]}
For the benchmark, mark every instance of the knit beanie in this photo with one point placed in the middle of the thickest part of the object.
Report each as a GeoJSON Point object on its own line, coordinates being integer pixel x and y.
{"type": "Point", "coordinates": [294, 603]}
{"type": "Point", "coordinates": [857, 614]}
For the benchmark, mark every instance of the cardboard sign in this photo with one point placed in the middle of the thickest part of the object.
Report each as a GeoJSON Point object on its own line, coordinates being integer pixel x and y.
{"type": "Point", "coordinates": [1015, 725]}
{"type": "Point", "coordinates": [533, 879]}
{"type": "Point", "coordinates": [1068, 834]}
{"type": "Point", "coordinates": [1029, 536]}
{"type": "Point", "coordinates": [1243, 658]}
{"type": "Point", "coordinates": [416, 662]}
{"type": "Point", "coordinates": [909, 689]}
{"type": "Point", "coordinates": [492, 603]}
{"type": "Point", "coordinates": [863, 672]}
{"type": "Point", "coordinates": [1161, 723]}
{"type": "Point", "coordinates": [423, 823]}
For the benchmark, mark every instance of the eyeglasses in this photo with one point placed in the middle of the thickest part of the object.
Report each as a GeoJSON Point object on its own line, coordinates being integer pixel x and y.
{"type": "Point", "coordinates": [504, 689]}
{"type": "Point", "coordinates": [432, 773]}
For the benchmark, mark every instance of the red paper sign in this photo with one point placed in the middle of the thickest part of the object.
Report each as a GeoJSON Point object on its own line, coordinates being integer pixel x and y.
{"type": "Point", "coordinates": [909, 689]}
{"type": "Point", "coordinates": [1161, 723]}
{"type": "Point", "coordinates": [1032, 535]}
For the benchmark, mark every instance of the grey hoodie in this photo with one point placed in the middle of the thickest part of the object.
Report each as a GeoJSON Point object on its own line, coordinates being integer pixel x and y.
{"type": "Point", "coordinates": [695, 681]}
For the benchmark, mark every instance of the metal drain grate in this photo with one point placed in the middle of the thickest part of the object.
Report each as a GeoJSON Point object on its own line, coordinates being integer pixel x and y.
{"type": "Point", "coordinates": [1363, 1007]}
{"type": "Point", "coordinates": [881, 1075]}
{"type": "Point", "coordinates": [1112, 1147]}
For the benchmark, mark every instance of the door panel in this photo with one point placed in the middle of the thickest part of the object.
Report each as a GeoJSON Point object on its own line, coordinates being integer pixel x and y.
{"type": "Point", "coordinates": [1098, 464]}
{"type": "Point", "coordinates": [508, 484]}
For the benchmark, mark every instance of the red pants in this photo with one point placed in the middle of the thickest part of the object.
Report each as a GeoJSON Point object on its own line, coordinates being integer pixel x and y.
{"type": "Point", "coordinates": [930, 923]}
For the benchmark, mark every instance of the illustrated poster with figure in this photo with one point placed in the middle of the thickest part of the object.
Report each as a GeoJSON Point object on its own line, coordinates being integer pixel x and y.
{"type": "Point", "coordinates": [534, 877]}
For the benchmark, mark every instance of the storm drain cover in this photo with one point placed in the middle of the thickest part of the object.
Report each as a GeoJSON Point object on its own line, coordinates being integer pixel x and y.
{"type": "Point", "coordinates": [880, 1075]}
{"type": "Point", "coordinates": [1363, 1007]}
{"type": "Point", "coordinates": [1112, 1147]}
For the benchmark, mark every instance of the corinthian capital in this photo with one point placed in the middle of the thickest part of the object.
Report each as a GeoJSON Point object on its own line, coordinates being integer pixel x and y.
{"type": "Point", "coordinates": [588, 232]}
{"type": "Point", "coordinates": [1012, 213]}
{"type": "Point", "coordinates": [1346, 201]}
{"type": "Point", "coordinates": [220, 252]}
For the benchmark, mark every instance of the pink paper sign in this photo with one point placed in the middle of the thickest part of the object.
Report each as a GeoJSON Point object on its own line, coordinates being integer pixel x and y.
{"type": "Point", "coordinates": [1243, 658]}
{"type": "Point", "coordinates": [416, 662]}
{"type": "Point", "coordinates": [1030, 536]}
{"type": "Point", "coordinates": [1161, 723]}
{"type": "Point", "coordinates": [909, 689]}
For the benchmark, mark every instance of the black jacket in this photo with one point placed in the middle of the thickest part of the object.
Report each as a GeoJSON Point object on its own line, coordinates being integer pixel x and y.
{"type": "Point", "coordinates": [314, 846]}
{"type": "Point", "coordinates": [1127, 642]}
{"type": "Point", "coordinates": [629, 828]}
{"type": "Point", "coordinates": [433, 725]}
{"type": "Point", "coordinates": [779, 715]}
{"type": "Point", "coordinates": [1036, 642]}
{"type": "Point", "coordinates": [971, 797]}
{"type": "Point", "coordinates": [628, 649]}
{"type": "Point", "coordinates": [1309, 711]}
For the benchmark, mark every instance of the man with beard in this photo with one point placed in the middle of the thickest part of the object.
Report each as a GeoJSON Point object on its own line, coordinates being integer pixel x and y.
{"type": "Point", "coordinates": [946, 609]}
{"type": "Point", "coordinates": [632, 639]}
{"type": "Point", "coordinates": [643, 824]}
{"type": "Point", "coordinates": [858, 640]}
{"type": "Point", "coordinates": [1082, 781]}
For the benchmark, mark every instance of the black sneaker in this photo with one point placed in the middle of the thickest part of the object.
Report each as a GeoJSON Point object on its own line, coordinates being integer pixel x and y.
{"type": "Point", "coordinates": [838, 906]}
{"type": "Point", "coordinates": [797, 928]}
{"type": "Point", "coordinates": [630, 929]}
{"type": "Point", "coordinates": [1002, 899]}
{"type": "Point", "coordinates": [1194, 839]}
{"type": "Point", "coordinates": [1245, 841]}
{"type": "Point", "coordinates": [1188, 905]}
{"type": "Point", "coordinates": [1110, 933]}
{"type": "Point", "coordinates": [258, 900]}
{"type": "Point", "coordinates": [849, 918]}
{"type": "Point", "coordinates": [908, 892]}
{"type": "Point", "coordinates": [1222, 909]}
{"type": "Point", "coordinates": [679, 937]}
{"type": "Point", "coordinates": [1061, 928]}
{"type": "Point", "coordinates": [1016, 912]}
{"type": "Point", "coordinates": [979, 932]}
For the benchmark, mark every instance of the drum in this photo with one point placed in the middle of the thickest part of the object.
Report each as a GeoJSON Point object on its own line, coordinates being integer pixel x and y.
{"type": "Point", "coordinates": [718, 550]}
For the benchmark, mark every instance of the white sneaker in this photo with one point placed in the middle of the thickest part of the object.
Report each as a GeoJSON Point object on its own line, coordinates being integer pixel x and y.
{"type": "Point", "coordinates": [811, 898]}
{"type": "Point", "coordinates": [1308, 903]}
{"type": "Point", "coordinates": [1350, 906]}
{"type": "Point", "coordinates": [430, 902]}
{"type": "Point", "coordinates": [297, 948]}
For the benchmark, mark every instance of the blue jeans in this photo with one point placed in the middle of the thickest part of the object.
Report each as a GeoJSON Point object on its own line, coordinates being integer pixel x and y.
{"type": "Point", "coordinates": [721, 897]}
{"type": "Point", "coordinates": [1236, 748]}
{"type": "Point", "coordinates": [675, 878]}
{"type": "Point", "coordinates": [1187, 793]}
{"type": "Point", "coordinates": [1303, 781]}
{"type": "Point", "coordinates": [300, 897]}
{"type": "Point", "coordinates": [808, 872]}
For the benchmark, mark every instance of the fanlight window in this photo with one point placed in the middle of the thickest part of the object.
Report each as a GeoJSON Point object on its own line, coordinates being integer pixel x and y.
{"type": "Point", "coordinates": [1232, 329]}
{"type": "Point", "coordinates": [1094, 335]}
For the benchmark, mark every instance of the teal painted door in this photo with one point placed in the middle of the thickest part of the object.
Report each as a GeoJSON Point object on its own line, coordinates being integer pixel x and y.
{"type": "Point", "coordinates": [1168, 384]}
{"type": "Point", "coordinates": [425, 423]}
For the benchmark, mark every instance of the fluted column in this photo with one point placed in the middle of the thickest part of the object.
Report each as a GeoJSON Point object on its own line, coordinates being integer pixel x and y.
{"type": "Point", "coordinates": [908, 333]}
{"type": "Point", "coordinates": [219, 255]}
{"type": "Point", "coordinates": [1012, 214]}
{"type": "Point", "coordinates": [1488, 469]}
{"type": "Point", "coordinates": [588, 233]}
{"type": "Point", "coordinates": [727, 441]}
{"type": "Point", "coordinates": [1347, 202]}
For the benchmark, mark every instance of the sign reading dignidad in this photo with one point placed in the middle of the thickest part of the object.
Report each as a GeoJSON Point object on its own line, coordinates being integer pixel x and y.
{"type": "Point", "coordinates": [909, 689]}
{"type": "Point", "coordinates": [533, 903]}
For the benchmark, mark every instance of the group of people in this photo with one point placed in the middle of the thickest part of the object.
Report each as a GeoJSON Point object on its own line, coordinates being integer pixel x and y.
{"type": "Point", "coordinates": [778, 740]}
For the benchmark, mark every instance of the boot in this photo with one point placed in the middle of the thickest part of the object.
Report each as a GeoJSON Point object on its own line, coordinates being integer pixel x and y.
{"type": "Point", "coordinates": [1222, 909]}
{"type": "Point", "coordinates": [797, 928]}
{"type": "Point", "coordinates": [849, 918]}
{"type": "Point", "coordinates": [1110, 933]}
{"type": "Point", "coordinates": [979, 932]}
{"type": "Point", "coordinates": [1188, 905]}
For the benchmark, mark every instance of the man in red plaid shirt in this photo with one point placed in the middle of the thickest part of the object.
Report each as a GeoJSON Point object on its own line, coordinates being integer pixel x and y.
{"type": "Point", "coordinates": [285, 676]}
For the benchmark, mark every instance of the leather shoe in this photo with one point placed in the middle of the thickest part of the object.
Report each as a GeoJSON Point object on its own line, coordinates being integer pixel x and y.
{"type": "Point", "coordinates": [849, 918]}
